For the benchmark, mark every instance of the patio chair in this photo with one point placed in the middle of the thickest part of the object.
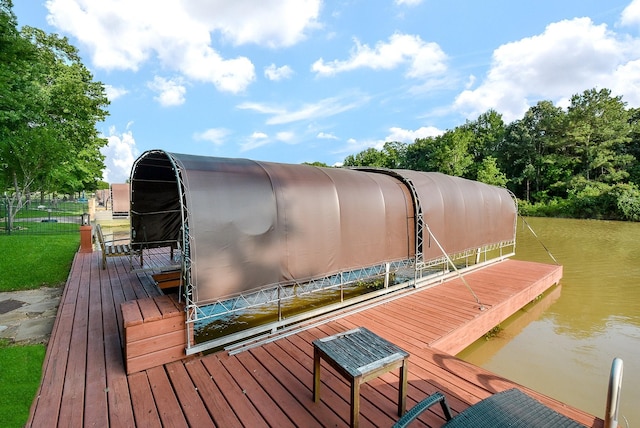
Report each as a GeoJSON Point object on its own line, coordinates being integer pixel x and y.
{"type": "Point", "coordinates": [511, 408]}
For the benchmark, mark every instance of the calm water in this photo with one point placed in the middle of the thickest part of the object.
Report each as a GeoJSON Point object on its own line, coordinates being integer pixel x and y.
{"type": "Point", "coordinates": [563, 344]}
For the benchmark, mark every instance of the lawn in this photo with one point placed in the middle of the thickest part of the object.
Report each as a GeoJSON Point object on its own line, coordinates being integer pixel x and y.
{"type": "Point", "coordinates": [33, 261]}
{"type": "Point", "coordinates": [27, 262]}
{"type": "Point", "coordinates": [19, 381]}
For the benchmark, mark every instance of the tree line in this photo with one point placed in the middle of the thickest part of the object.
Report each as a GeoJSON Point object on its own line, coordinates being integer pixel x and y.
{"type": "Point", "coordinates": [49, 108]}
{"type": "Point", "coordinates": [581, 161]}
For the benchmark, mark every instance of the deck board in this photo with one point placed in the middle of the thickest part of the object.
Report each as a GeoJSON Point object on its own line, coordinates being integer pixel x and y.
{"type": "Point", "coordinates": [84, 381]}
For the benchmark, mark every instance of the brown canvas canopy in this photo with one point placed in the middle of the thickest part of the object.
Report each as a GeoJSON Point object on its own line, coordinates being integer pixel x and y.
{"type": "Point", "coordinates": [242, 225]}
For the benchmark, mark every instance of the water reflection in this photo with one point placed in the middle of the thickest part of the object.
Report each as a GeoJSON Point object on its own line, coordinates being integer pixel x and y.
{"type": "Point", "coordinates": [566, 350]}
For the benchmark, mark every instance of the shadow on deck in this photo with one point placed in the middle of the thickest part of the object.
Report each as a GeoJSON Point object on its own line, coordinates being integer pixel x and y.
{"type": "Point", "coordinates": [85, 384]}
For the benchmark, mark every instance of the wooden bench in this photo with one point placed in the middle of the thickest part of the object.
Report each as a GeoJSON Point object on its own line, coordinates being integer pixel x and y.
{"type": "Point", "coordinates": [154, 332]}
{"type": "Point", "coordinates": [112, 249]}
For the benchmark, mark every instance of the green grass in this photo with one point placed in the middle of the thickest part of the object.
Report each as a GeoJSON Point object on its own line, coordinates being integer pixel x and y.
{"type": "Point", "coordinates": [19, 381]}
{"type": "Point", "coordinates": [60, 209]}
{"type": "Point", "coordinates": [33, 261]}
{"type": "Point", "coordinates": [28, 261]}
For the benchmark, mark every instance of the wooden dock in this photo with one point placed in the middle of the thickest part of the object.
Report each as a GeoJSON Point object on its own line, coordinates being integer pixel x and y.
{"type": "Point", "coordinates": [85, 384]}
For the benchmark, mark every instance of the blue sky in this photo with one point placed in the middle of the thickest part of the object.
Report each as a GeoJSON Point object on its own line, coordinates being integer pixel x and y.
{"type": "Point", "coordinates": [309, 80]}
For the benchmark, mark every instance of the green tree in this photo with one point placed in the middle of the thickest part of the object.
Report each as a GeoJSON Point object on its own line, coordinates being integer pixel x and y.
{"type": "Point", "coordinates": [19, 104]}
{"type": "Point", "coordinates": [452, 155]}
{"type": "Point", "coordinates": [367, 157]}
{"type": "Point", "coordinates": [598, 135]}
{"type": "Point", "coordinates": [49, 109]}
{"type": "Point", "coordinates": [634, 145]}
{"type": "Point", "coordinates": [316, 163]}
{"type": "Point", "coordinates": [531, 153]}
{"type": "Point", "coordinates": [416, 155]}
{"type": "Point", "coordinates": [395, 154]}
{"type": "Point", "coordinates": [391, 156]}
{"type": "Point", "coordinates": [489, 173]}
{"type": "Point", "coordinates": [488, 134]}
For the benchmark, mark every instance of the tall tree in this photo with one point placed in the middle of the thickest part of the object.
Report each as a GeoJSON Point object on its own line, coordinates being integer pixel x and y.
{"type": "Point", "coordinates": [529, 153]}
{"type": "Point", "coordinates": [488, 134]}
{"type": "Point", "coordinates": [19, 103]}
{"type": "Point", "coordinates": [634, 145]}
{"type": "Point", "coordinates": [598, 135]}
{"type": "Point", "coordinates": [452, 155]}
{"type": "Point", "coordinates": [489, 173]}
{"type": "Point", "coordinates": [367, 157]}
{"type": "Point", "coordinates": [49, 109]}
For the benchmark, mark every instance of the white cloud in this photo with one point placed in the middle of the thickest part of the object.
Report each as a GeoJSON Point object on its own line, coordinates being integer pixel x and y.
{"type": "Point", "coordinates": [470, 82]}
{"type": "Point", "coordinates": [326, 136]}
{"type": "Point", "coordinates": [323, 108]}
{"type": "Point", "coordinates": [286, 137]}
{"type": "Point", "coordinates": [568, 58]}
{"type": "Point", "coordinates": [170, 91]}
{"type": "Point", "coordinates": [272, 23]}
{"type": "Point", "coordinates": [213, 135]}
{"type": "Point", "coordinates": [409, 136]}
{"type": "Point", "coordinates": [121, 34]}
{"type": "Point", "coordinates": [257, 139]}
{"type": "Point", "coordinates": [408, 2]}
{"type": "Point", "coordinates": [120, 153]}
{"type": "Point", "coordinates": [354, 146]}
{"type": "Point", "coordinates": [114, 93]}
{"type": "Point", "coordinates": [278, 73]}
{"type": "Point", "coordinates": [626, 81]}
{"type": "Point", "coordinates": [631, 14]}
{"type": "Point", "coordinates": [421, 58]}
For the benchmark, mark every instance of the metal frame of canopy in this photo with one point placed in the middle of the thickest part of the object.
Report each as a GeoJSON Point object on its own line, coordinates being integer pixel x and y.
{"type": "Point", "coordinates": [156, 168]}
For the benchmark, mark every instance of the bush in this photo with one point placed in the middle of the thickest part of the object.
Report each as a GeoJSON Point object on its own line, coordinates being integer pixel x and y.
{"type": "Point", "coordinates": [556, 207]}
{"type": "Point", "coordinates": [628, 201]}
{"type": "Point", "coordinates": [590, 199]}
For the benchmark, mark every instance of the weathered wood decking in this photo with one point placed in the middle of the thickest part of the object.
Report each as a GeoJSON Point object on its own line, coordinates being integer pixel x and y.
{"type": "Point", "coordinates": [84, 381]}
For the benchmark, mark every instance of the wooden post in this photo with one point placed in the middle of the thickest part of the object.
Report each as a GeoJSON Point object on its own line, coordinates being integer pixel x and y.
{"type": "Point", "coordinates": [86, 243]}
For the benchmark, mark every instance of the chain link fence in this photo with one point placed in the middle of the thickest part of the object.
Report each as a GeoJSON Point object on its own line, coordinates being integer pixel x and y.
{"type": "Point", "coordinates": [52, 215]}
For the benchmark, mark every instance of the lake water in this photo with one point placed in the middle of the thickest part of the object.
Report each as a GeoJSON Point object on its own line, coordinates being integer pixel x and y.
{"type": "Point", "coordinates": [562, 345]}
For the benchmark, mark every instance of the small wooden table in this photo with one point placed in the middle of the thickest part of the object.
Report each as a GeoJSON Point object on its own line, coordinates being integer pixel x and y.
{"type": "Point", "coordinates": [360, 355]}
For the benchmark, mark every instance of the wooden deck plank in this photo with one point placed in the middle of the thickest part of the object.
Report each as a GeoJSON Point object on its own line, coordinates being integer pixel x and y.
{"type": "Point", "coordinates": [73, 392]}
{"type": "Point", "coordinates": [237, 399]}
{"type": "Point", "coordinates": [273, 415]}
{"type": "Point", "coordinates": [145, 408]}
{"type": "Point", "coordinates": [192, 406]}
{"type": "Point", "coordinates": [264, 372]}
{"type": "Point", "coordinates": [119, 399]}
{"type": "Point", "coordinates": [166, 401]}
{"type": "Point", "coordinates": [46, 405]}
{"type": "Point", "coordinates": [288, 371]}
{"type": "Point", "coordinates": [215, 401]}
{"type": "Point", "coordinates": [270, 384]}
{"type": "Point", "coordinates": [96, 412]}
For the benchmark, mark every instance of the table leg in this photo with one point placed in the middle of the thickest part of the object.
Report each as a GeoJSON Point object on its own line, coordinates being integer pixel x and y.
{"type": "Point", "coordinates": [355, 402]}
{"type": "Point", "coordinates": [402, 389]}
{"type": "Point", "coordinates": [316, 375]}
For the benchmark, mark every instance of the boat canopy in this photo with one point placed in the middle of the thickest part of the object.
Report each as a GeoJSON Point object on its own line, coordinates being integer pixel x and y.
{"type": "Point", "coordinates": [243, 225]}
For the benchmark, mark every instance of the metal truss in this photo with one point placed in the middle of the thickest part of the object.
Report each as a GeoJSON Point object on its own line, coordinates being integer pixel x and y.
{"type": "Point", "coordinates": [280, 293]}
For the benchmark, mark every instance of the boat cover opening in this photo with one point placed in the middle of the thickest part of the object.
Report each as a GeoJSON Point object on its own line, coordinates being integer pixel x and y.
{"type": "Point", "coordinates": [244, 225]}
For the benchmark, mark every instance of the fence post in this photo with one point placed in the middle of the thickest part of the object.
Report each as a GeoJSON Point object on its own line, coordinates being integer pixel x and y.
{"type": "Point", "coordinates": [7, 214]}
